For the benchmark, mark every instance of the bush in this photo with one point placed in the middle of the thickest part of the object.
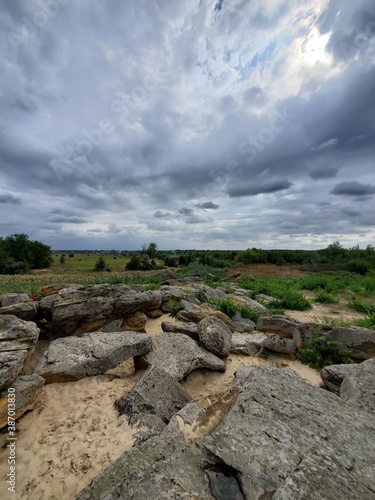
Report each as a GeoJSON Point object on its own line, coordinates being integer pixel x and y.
{"type": "Point", "coordinates": [325, 298]}
{"type": "Point", "coordinates": [358, 266]}
{"type": "Point", "coordinates": [322, 352]}
{"type": "Point", "coordinates": [100, 264]}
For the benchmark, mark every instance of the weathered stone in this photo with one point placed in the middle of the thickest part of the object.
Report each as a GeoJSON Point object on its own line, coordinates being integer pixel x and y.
{"type": "Point", "coordinates": [135, 322]}
{"type": "Point", "coordinates": [208, 294]}
{"type": "Point", "coordinates": [276, 437]}
{"type": "Point", "coordinates": [17, 342]}
{"type": "Point", "coordinates": [178, 355]}
{"type": "Point", "coordinates": [27, 311]}
{"type": "Point", "coordinates": [72, 358]}
{"type": "Point", "coordinates": [250, 345]}
{"type": "Point", "coordinates": [355, 384]}
{"type": "Point", "coordinates": [215, 336]}
{"type": "Point", "coordinates": [167, 306]}
{"type": "Point", "coordinates": [189, 329]}
{"type": "Point", "coordinates": [281, 325]}
{"type": "Point", "coordinates": [279, 344]}
{"type": "Point", "coordinates": [10, 299]}
{"type": "Point", "coordinates": [359, 341]}
{"type": "Point", "coordinates": [156, 393]}
{"type": "Point", "coordinates": [242, 325]}
{"type": "Point", "coordinates": [195, 313]}
{"type": "Point", "coordinates": [55, 288]}
{"type": "Point", "coordinates": [27, 390]}
{"type": "Point", "coordinates": [266, 299]}
{"type": "Point", "coordinates": [155, 313]}
{"type": "Point", "coordinates": [252, 304]}
{"type": "Point", "coordinates": [137, 288]}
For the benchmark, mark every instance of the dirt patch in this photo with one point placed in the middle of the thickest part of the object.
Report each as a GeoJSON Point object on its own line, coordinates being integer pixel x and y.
{"type": "Point", "coordinates": [266, 271]}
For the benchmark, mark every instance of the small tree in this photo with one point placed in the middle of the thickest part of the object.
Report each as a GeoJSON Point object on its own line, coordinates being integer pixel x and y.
{"type": "Point", "coordinates": [62, 259]}
{"type": "Point", "coordinates": [152, 250]}
{"type": "Point", "coordinates": [100, 264]}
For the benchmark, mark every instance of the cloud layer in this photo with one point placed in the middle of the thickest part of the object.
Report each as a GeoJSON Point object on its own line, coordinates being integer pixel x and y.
{"type": "Point", "coordinates": [194, 124]}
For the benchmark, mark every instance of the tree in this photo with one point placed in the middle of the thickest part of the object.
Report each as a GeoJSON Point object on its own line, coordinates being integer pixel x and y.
{"type": "Point", "coordinates": [100, 264]}
{"type": "Point", "coordinates": [62, 259]}
{"type": "Point", "coordinates": [18, 253]}
{"type": "Point", "coordinates": [152, 250]}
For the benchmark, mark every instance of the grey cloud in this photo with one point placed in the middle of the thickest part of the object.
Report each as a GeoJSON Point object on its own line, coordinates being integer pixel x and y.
{"type": "Point", "coordinates": [324, 173]}
{"type": "Point", "coordinates": [162, 215]}
{"type": "Point", "coordinates": [186, 211]}
{"type": "Point", "coordinates": [207, 205]}
{"type": "Point", "coordinates": [9, 198]}
{"type": "Point", "coordinates": [255, 188]}
{"type": "Point", "coordinates": [67, 219]}
{"type": "Point", "coordinates": [353, 188]}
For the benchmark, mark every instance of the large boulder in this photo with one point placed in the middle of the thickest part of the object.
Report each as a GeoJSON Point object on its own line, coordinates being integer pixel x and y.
{"type": "Point", "coordinates": [355, 384]}
{"type": "Point", "coordinates": [80, 309]}
{"type": "Point", "coordinates": [250, 345]}
{"type": "Point", "coordinates": [276, 437]}
{"type": "Point", "coordinates": [178, 355]}
{"type": "Point", "coordinates": [10, 299]}
{"type": "Point", "coordinates": [280, 325]}
{"type": "Point", "coordinates": [72, 358]}
{"type": "Point", "coordinates": [189, 329]}
{"type": "Point", "coordinates": [279, 344]}
{"type": "Point", "coordinates": [17, 342]}
{"type": "Point", "coordinates": [359, 341]}
{"type": "Point", "coordinates": [27, 391]}
{"type": "Point", "coordinates": [27, 310]}
{"type": "Point", "coordinates": [194, 313]}
{"type": "Point", "coordinates": [215, 336]}
{"type": "Point", "coordinates": [156, 393]}
{"type": "Point", "coordinates": [242, 325]}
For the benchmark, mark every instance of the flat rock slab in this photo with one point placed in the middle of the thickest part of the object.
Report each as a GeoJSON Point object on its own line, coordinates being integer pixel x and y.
{"type": "Point", "coordinates": [17, 342]}
{"type": "Point", "coordinates": [215, 336]}
{"type": "Point", "coordinates": [248, 344]}
{"type": "Point", "coordinates": [280, 325]}
{"type": "Point", "coordinates": [73, 358]}
{"type": "Point", "coordinates": [156, 393]}
{"type": "Point", "coordinates": [189, 329]}
{"type": "Point", "coordinates": [178, 355]}
{"type": "Point", "coordinates": [280, 438]}
{"type": "Point", "coordinates": [27, 390]}
{"type": "Point", "coordinates": [279, 344]}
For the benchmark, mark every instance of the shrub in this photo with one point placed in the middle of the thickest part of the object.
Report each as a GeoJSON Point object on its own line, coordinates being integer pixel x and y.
{"type": "Point", "coordinates": [322, 352]}
{"type": "Point", "coordinates": [226, 306]}
{"type": "Point", "coordinates": [176, 308]}
{"type": "Point", "coordinates": [325, 297]}
{"type": "Point", "coordinates": [358, 266]}
{"type": "Point", "coordinates": [62, 259]}
{"type": "Point", "coordinates": [100, 264]}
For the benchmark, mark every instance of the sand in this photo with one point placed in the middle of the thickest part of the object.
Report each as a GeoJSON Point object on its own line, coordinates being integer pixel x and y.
{"type": "Point", "coordinates": [76, 432]}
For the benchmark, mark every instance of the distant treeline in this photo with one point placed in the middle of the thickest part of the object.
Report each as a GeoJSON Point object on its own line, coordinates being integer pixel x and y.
{"type": "Point", "coordinates": [18, 254]}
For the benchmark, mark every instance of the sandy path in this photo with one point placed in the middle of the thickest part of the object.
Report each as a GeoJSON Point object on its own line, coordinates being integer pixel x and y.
{"type": "Point", "coordinates": [76, 432]}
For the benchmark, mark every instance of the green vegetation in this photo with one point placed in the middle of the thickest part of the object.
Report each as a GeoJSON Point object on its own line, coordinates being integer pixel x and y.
{"type": "Point", "coordinates": [322, 352]}
{"type": "Point", "coordinates": [18, 254]}
{"type": "Point", "coordinates": [228, 307]}
{"type": "Point", "coordinates": [176, 307]}
{"type": "Point", "coordinates": [100, 264]}
{"type": "Point", "coordinates": [324, 297]}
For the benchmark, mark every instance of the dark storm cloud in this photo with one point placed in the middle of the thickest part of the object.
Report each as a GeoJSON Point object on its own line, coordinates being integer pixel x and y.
{"type": "Point", "coordinates": [353, 188]}
{"type": "Point", "coordinates": [207, 205]}
{"type": "Point", "coordinates": [262, 187]}
{"type": "Point", "coordinates": [324, 173]}
{"type": "Point", "coordinates": [186, 211]}
{"type": "Point", "coordinates": [9, 198]}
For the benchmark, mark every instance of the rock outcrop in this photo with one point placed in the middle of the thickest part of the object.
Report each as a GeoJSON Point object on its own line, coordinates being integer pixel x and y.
{"type": "Point", "coordinates": [278, 438]}
{"type": "Point", "coordinates": [17, 342]}
{"type": "Point", "coordinates": [27, 390]}
{"type": "Point", "coordinates": [250, 345]}
{"type": "Point", "coordinates": [215, 336]}
{"type": "Point", "coordinates": [72, 358]}
{"type": "Point", "coordinates": [178, 355]}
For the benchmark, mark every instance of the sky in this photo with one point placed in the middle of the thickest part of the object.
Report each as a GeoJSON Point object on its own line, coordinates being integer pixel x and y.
{"type": "Point", "coordinates": [194, 124]}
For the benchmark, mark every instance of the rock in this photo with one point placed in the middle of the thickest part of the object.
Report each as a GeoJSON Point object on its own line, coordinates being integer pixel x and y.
{"type": "Point", "coordinates": [242, 325]}
{"type": "Point", "coordinates": [79, 310]}
{"type": "Point", "coordinates": [178, 355]}
{"type": "Point", "coordinates": [281, 325]}
{"type": "Point", "coordinates": [137, 288]}
{"type": "Point", "coordinates": [72, 358]}
{"type": "Point", "coordinates": [208, 294]}
{"type": "Point", "coordinates": [334, 375]}
{"type": "Point", "coordinates": [156, 313]}
{"type": "Point", "coordinates": [27, 311]}
{"type": "Point", "coordinates": [167, 306]}
{"type": "Point", "coordinates": [135, 322]}
{"type": "Point", "coordinates": [279, 344]}
{"type": "Point", "coordinates": [215, 336]}
{"type": "Point", "coordinates": [48, 290]}
{"type": "Point", "coordinates": [353, 383]}
{"type": "Point", "coordinates": [359, 341]}
{"type": "Point", "coordinates": [266, 299]}
{"type": "Point", "coordinates": [10, 299]}
{"type": "Point", "coordinates": [28, 392]}
{"type": "Point", "coordinates": [274, 436]}
{"type": "Point", "coordinates": [156, 393]}
{"type": "Point", "coordinates": [189, 329]}
{"type": "Point", "coordinates": [195, 313]}
{"type": "Point", "coordinates": [253, 305]}
{"type": "Point", "coordinates": [17, 342]}
{"type": "Point", "coordinates": [250, 345]}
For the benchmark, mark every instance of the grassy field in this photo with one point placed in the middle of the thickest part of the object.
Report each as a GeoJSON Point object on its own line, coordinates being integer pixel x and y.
{"type": "Point", "coordinates": [86, 262]}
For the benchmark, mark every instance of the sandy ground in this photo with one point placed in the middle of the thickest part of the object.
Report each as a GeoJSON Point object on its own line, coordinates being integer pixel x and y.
{"type": "Point", "coordinates": [76, 432]}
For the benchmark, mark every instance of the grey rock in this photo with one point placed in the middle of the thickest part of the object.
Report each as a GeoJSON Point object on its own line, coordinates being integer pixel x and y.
{"type": "Point", "coordinates": [167, 306]}
{"type": "Point", "coordinates": [17, 343]}
{"type": "Point", "coordinates": [155, 313]}
{"type": "Point", "coordinates": [279, 344]}
{"type": "Point", "coordinates": [10, 299]}
{"type": "Point", "coordinates": [215, 336]}
{"type": "Point", "coordinates": [278, 438]}
{"type": "Point", "coordinates": [28, 392]}
{"type": "Point", "coordinates": [281, 325]}
{"type": "Point", "coordinates": [178, 355]}
{"type": "Point", "coordinates": [266, 299]}
{"type": "Point", "coordinates": [252, 304]}
{"type": "Point", "coordinates": [195, 313]}
{"type": "Point", "coordinates": [355, 384]}
{"type": "Point", "coordinates": [156, 393]}
{"type": "Point", "coordinates": [359, 341]}
{"type": "Point", "coordinates": [250, 345]}
{"type": "Point", "coordinates": [208, 294]}
{"type": "Point", "coordinates": [189, 329]}
{"type": "Point", "coordinates": [72, 358]}
{"type": "Point", "coordinates": [242, 325]}
{"type": "Point", "coordinates": [27, 311]}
